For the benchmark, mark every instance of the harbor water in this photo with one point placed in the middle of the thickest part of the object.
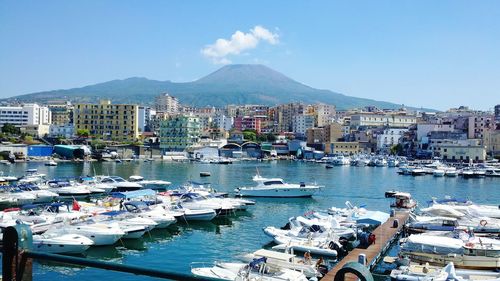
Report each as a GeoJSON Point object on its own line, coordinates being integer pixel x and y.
{"type": "Point", "coordinates": [175, 248]}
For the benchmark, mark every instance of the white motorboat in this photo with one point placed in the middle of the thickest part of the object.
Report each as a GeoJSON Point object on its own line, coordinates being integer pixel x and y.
{"type": "Point", "coordinates": [150, 184]}
{"type": "Point", "coordinates": [256, 270]}
{"type": "Point", "coordinates": [276, 187]}
{"type": "Point", "coordinates": [426, 272]}
{"type": "Point", "coordinates": [41, 195]}
{"type": "Point", "coordinates": [475, 253]}
{"type": "Point", "coordinates": [393, 162]}
{"type": "Point", "coordinates": [380, 162]}
{"type": "Point", "coordinates": [198, 215]}
{"type": "Point", "coordinates": [321, 247]}
{"type": "Point", "coordinates": [492, 172]}
{"type": "Point", "coordinates": [119, 184]}
{"type": "Point", "coordinates": [450, 172]}
{"type": "Point", "coordinates": [61, 244]}
{"type": "Point", "coordinates": [340, 160]}
{"type": "Point", "coordinates": [417, 171]}
{"type": "Point", "coordinates": [439, 172]}
{"type": "Point", "coordinates": [195, 201]}
{"type": "Point", "coordinates": [301, 227]}
{"type": "Point", "coordinates": [157, 214]}
{"type": "Point", "coordinates": [285, 260]}
{"type": "Point", "coordinates": [12, 196]}
{"type": "Point", "coordinates": [66, 189]}
{"type": "Point", "coordinates": [51, 163]}
{"type": "Point", "coordinates": [99, 233]}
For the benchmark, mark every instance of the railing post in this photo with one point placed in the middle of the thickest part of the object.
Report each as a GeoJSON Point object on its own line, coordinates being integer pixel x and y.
{"type": "Point", "coordinates": [15, 267]}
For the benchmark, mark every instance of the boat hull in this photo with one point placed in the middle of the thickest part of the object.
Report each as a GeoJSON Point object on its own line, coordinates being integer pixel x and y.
{"type": "Point", "coordinates": [460, 261]}
{"type": "Point", "coordinates": [277, 192]}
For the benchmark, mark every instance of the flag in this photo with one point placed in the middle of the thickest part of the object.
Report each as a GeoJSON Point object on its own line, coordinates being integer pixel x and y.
{"type": "Point", "coordinates": [76, 206]}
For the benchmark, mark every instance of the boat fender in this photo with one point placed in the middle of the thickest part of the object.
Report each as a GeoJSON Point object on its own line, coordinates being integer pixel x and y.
{"type": "Point", "coordinates": [483, 222]}
{"type": "Point", "coordinates": [469, 244]}
{"type": "Point", "coordinates": [333, 246]}
{"type": "Point", "coordinates": [371, 239]}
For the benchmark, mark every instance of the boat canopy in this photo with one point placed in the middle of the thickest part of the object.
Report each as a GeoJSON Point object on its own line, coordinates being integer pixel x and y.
{"type": "Point", "coordinates": [273, 255]}
{"type": "Point", "coordinates": [373, 218]}
{"type": "Point", "coordinates": [133, 194]}
{"type": "Point", "coordinates": [448, 200]}
{"type": "Point", "coordinates": [402, 195]}
{"type": "Point", "coordinates": [113, 213]}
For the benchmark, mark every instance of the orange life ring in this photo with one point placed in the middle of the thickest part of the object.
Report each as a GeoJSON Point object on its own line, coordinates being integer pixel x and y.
{"type": "Point", "coordinates": [483, 222]}
{"type": "Point", "coordinates": [469, 244]}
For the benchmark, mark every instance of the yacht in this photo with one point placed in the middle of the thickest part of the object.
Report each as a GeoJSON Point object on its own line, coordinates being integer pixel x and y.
{"type": "Point", "coordinates": [119, 184]}
{"type": "Point", "coordinates": [99, 233]}
{"type": "Point", "coordinates": [475, 253]}
{"type": "Point", "coordinates": [61, 244]}
{"type": "Point", "coordinates": [156, 213]}
{"type": "Point", "coordinates": [195, 201]}
{"type": "Point", "coordinates": [66, 189]}
{"type": "Point", "coordinates": [416, 272]}
{"type": "Point", "coordinates": [51, 163]}
{"type": "Point", "coordinates": [491, 172]}
{"type": "Point", "coordinates": [450, 172]}
{"type": "Point", "coordinates": [150, 184]}
{"type": "Point", "coordinates": [439, 172]}
{"type": "Point", "coordinates": [321, 247]}
{"type": "Point", "coordinates": [286, 260]}
{"type": "Point", "coordinates": [276, 187]}
{"type": "Point", "coordinates": [255, 270]}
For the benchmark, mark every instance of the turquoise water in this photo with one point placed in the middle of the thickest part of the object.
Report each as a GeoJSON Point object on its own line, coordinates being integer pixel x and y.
{"type": "Point", "coordinates": [224, 239]}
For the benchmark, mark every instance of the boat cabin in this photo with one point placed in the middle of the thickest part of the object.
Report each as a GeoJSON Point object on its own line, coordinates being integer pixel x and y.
{"type": "Point", "coordinates": [403, 200]}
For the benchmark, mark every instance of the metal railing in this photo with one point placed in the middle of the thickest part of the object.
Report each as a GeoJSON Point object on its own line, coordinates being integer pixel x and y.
{"type": "Point", "coordinates": [17, 259]}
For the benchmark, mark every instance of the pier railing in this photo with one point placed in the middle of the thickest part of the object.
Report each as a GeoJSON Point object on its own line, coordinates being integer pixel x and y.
{"type": "Point", "coordinates": [18, 256]}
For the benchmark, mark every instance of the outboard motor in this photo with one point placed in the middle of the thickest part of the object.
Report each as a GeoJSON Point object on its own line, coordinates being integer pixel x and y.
{"type": "Point", "coordinates": [286, 226]}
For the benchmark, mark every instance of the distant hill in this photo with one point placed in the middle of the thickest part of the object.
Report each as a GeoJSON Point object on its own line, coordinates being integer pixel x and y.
{"type": "Point", "coordinates": [231, 84]}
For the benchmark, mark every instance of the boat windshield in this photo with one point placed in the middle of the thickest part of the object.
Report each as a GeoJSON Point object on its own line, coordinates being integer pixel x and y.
{"type": "Point", "coordinates": [274, 182]}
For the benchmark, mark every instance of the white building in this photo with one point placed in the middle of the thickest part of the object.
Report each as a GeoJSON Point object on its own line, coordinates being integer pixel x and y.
{"type": "Point", "coordinates": [325, 113]}
{"type": "Point", "coordinates": [28, 114]}
{"type": "Point", "coordinates": [389, 137]}
{"type": "Point", "coordinates": [376, 119]}
{"type": "Point", "coordinates": [166, 103]}
{"type": "Point", "coordinates": [424, 129]}
{"type": "Point", "coordinates": [300, 123]}
{"type": "Point", "coordinates": [223, 122]}
{"type": "Point", "coordinates": [66, 130]}
{"type": "Point", "coordinates": [144, 117]}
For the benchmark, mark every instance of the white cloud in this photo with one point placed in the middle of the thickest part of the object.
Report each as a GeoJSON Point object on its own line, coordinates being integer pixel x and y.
{"type": "Point", "coordinates": [239, 42]}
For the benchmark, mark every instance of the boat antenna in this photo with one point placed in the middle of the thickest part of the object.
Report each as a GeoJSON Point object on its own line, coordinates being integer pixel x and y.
{"type": "Point", "coordinates": [257, 168]}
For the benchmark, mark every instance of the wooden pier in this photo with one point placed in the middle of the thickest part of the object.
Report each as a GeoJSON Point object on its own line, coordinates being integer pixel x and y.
{"type": "Point", "coordinates": [384, 234]}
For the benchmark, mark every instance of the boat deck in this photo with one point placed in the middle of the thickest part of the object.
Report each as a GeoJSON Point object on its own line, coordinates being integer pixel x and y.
{"type": "Point", "coordinates": [384, 234]}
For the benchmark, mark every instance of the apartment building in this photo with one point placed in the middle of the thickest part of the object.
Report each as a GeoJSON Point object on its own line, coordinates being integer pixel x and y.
{"type": "Point", "coordinates": [382, 119]}
{"type": "Point", "coordinates": [119, 122]}
{"type": "Point", "coordinates": [179, 131]}
{"type": "Point", "coordinates": [25, 115]}
{"type": "Point", "coordinates": [167, 103]}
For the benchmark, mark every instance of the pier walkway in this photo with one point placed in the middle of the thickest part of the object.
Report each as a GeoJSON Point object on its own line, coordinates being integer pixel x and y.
{"type": "Point", "coordinates": [384, 234]}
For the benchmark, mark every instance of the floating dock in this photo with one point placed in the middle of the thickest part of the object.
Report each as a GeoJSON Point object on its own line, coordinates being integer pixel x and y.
{"type": "Point", "coordinates": [384, 235]}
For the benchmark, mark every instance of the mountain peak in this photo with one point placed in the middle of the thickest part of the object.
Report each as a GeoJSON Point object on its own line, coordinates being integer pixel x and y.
{"type": "Point", "coordinates": [244, 73]}
{"type": "Point", "coordinates": [230, 84]}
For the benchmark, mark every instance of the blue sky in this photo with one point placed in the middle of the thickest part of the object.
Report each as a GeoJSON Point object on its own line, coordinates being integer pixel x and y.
{"type": "Point", "coordinates": [436, 54]}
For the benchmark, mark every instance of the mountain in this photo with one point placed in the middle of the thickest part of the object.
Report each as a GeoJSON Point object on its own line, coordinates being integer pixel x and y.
{"type": "Point", "coordinates": [231, 84]}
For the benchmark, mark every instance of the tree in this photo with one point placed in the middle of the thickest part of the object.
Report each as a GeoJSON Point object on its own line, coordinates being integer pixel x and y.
{"type": "Point", "coordinates": [10, 129]}
{"type": "Point", "coordinates": [83, 133]}
{"type": "Point", "coordinates": [271, 137]}
{"type": "Point", "coordinates": [249, 135]}
{"type": "Point", "coordinates": [396, 149]}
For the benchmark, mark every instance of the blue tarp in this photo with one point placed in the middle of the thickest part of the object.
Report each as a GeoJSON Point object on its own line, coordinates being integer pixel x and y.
{"type": "Point", "coordinates": [114, 213]}
{"type": "Point", "coordinates": [133, 194]}
{"type": "Point", "coordinates": [40, 150]}
{"type": "Point", "coordinates": [374, 218]}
